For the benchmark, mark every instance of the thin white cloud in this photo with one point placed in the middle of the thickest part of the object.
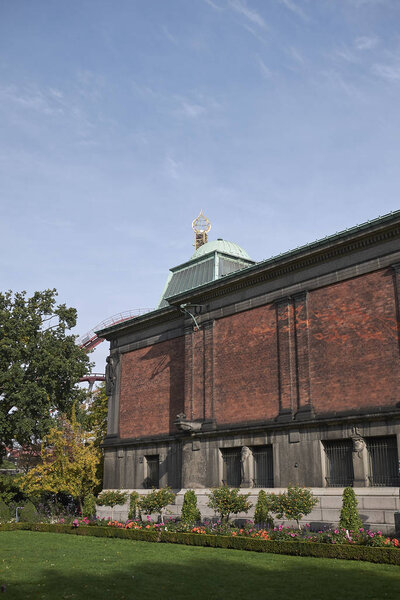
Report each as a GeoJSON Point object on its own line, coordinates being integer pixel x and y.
{"type": "Point", "coordinates": [295, 8]}
{"type": "Point", "coordinates": [241, 7]}
{"type": "Point", "coordinates": [365, 42]}
{"type": "Point", "coordinates": [172, 167]}
{"type": "Point", "coordinates": [265, 71]}
{"type": "Point", "coordinates": [295, 55]}
{"type": "Point", "coordinates": [345, 54]}
{"type": "Point", "coordinates": [389, 72]}
{"type": "Point", "coordinates": [213, 5]}
{"type": "Point", "coordinates": [169, 35]}
{"type": "Point", "coordinates": [194, 111]}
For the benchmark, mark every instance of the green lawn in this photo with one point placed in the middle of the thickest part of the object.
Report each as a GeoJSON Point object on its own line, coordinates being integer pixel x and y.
{"type": "Point", "coordinates": [48, 565]}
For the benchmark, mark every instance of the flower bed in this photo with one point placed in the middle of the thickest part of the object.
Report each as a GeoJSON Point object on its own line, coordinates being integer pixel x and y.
{"type": "Point", "coordinates": [252, 541]}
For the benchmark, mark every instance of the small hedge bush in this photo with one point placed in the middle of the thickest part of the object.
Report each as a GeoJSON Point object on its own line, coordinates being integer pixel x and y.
{"type": "Point", "coordinates": [190, 512]}
{"type": "Point", "coordinates": [349, 516]}
{"type": "Point", "coordinates": [340, 551]}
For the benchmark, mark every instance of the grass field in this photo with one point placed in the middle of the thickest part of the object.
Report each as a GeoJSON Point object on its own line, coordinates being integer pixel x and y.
{"type": "Point", "coordinates": [47, 565]}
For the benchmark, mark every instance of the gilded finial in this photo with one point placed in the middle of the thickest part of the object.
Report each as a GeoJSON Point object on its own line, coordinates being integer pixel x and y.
{"type": "Point", "coordinates": [201, 226]}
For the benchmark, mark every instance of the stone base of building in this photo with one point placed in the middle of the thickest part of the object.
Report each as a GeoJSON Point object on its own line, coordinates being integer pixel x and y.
{"type": "Point", "coordinates": [376, 507]}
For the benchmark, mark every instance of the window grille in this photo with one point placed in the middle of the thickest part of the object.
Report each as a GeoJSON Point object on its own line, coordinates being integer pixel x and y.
{"type": "Point", "coordinates": [232, 474]}
{"type": "Point", "coordinates": [383, 461]}
{"type": "Point", "coordinates": [263, 467]}
{"type": "Point", "coordinates": [339, 463]}
{"type": "Point", "coordinates": [153, 476]}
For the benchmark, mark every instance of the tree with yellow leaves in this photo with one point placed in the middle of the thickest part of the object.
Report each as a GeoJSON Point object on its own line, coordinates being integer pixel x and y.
{"type": "Point", "coordinates": [69, 463]}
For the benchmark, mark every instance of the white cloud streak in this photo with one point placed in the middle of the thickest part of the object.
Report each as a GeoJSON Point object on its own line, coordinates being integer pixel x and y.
{"type": "Point", "coordinates": [295, 8]}
{"type": "Point", "coordinates": [241, 7]}
{"type": "Point", "coordinates": [389, 72]}
{"type": "Point", "coordinates": [365, 43]}
{"type": "Point", "coordinates": [265, 71]}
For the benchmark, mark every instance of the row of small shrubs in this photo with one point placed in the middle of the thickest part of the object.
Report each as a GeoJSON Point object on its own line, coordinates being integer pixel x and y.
{"type": "Point", "coordinates": [295, 548]}
{"type": "Point", "coordinates": [294, 504]}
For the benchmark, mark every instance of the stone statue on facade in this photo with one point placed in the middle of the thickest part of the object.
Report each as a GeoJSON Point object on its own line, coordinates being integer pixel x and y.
{"type": "Point", "coordinates": [358, 442]}
{"type": "Point", "coordinates": [110, 375]}
{"type": "Point", "coordinates": [245, 457]}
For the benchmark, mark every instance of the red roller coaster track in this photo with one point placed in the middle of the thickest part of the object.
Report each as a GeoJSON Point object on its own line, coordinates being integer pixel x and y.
{"type": "Point", "coordinates": [90, 340]}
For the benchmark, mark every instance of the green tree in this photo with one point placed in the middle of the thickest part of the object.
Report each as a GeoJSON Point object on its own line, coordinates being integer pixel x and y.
{"type": "Point", "coordinates": [156, 501]}
{"type": "Point", "coordinates": [262, 515]}
{"type": "Point", "coordinates": [349, 517]}
{"type": "Point", "coordinates": [294, 504]}
{"type": "Point", "coordinates": [70, 461]}
{"type": "Point", "coordinates": [190, 512]}
{"type": "Point", "coordinates": [226, 501]}
{"type": "Point", "coordinates": [40, 365]}
{"type": "Point", "coordinates": [94, 418]}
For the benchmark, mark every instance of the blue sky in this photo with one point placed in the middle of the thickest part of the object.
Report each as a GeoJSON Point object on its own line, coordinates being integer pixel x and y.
{"type": "Point", "coordinates": [120, 120]}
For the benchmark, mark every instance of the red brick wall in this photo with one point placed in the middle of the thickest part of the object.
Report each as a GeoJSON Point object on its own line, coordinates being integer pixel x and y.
{"type": "Point", "coordinates": [152, 388]}
{"type": "Point", "coordinates": [245, 366]}
{"type": "Point", "coordinates": [352, 361]}
{"type": "Point", "coordinates": [354, 358]}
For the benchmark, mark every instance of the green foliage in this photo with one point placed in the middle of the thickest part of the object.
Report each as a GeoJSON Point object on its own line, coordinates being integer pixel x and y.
{"type": "Point", "coordinates": [226, 501]}
{"type": "Point", "coordinates": [349, 517]}
{"type": "Point", "coordinates": [40, 365]}
{"type": "Point", "coordinates": [133, 505]}
{"type": "Point", "coordinates": [190, 512]}
{"type": "Point", "coordinates": [9, 489]}
{"type": "Point", "coordinates": [112, 498]}
{"type": "Point", "coordinates": [156, 501]}
{"type": "Point", "coordinates": [262, 515]}
{"type": "Point", "coordinates": [5, 512]}
{"type": "Point", "coordinates": [294, 504]}
{"type": "Point", "coordinates": [89, 506]}
{"type": "Point", "coordinates": [94, 419]}
{"type": "Point", "coordinates": [69, 463]}
{"type": "Point", "coordinates": [29, 513]}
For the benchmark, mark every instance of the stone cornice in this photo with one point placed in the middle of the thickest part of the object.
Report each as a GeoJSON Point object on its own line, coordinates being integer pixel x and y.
{"type": "Point", "coordinates": [261, 427]}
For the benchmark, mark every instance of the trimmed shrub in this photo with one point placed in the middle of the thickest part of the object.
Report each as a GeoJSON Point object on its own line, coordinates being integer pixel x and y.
{"type": "Point", "coordinates": [294, 504]}
{"type": "Point", "coordinates": [226, 501]}
{"type": "Point", "coordinates": [156, 501]}
{"type": "Point", "coordinates": [112, 498]}
{"type": "Point", "coordinates": [89, 506]}
{"type": "Point", "coordinates": [190, 512]}
{"type": "Point", "coordinates": [262, 515]}
{"type": "Point", "coordinates": [29, 513]}
{"type": "Point", "coordinates": [349, 517]}
{"type": "Point", "coordinates": [133, 505]}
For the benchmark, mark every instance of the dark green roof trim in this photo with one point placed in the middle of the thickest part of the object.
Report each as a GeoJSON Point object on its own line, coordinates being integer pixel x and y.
{"type": "Point", "coordinates": [207, 256]}
{"type": "Point", "coordinates": [301, 257]}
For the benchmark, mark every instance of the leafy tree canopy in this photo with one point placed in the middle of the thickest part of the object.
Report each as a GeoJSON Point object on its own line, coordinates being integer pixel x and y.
{"type": "Point", "coordinates": [40, 365]}
{"type": "Point", "coordinates": [69, 464]}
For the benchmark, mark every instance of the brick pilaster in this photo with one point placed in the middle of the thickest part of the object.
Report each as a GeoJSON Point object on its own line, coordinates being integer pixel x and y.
{"type": "Point", "coordinates": [302, 332]}
{"type": "Point", "coordinates": [286, 358]}
{"type": "Point", "coordinates": [188, 403]}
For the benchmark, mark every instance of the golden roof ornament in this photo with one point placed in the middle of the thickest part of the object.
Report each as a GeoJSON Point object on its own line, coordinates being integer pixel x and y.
{"type": "Point", "coordinates": [201, 226]}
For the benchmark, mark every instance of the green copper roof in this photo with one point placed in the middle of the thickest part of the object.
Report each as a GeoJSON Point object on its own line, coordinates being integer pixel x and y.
{"type": "Point", "coordinates": [210, 262]}
{"type": "Point", "coordinates": [222, 246]}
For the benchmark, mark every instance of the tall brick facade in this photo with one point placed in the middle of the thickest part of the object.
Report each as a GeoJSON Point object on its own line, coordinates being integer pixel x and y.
{"type": "Point", "coordinates": [288, 356]}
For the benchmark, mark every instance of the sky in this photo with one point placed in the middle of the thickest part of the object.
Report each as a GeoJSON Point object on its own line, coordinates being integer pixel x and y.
{"type": "Point", "coordinates": [121, 119]}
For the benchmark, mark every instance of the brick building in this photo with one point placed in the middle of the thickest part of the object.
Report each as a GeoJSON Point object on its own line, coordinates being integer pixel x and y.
{"type": "Point", "coordinates": [261, 374]}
